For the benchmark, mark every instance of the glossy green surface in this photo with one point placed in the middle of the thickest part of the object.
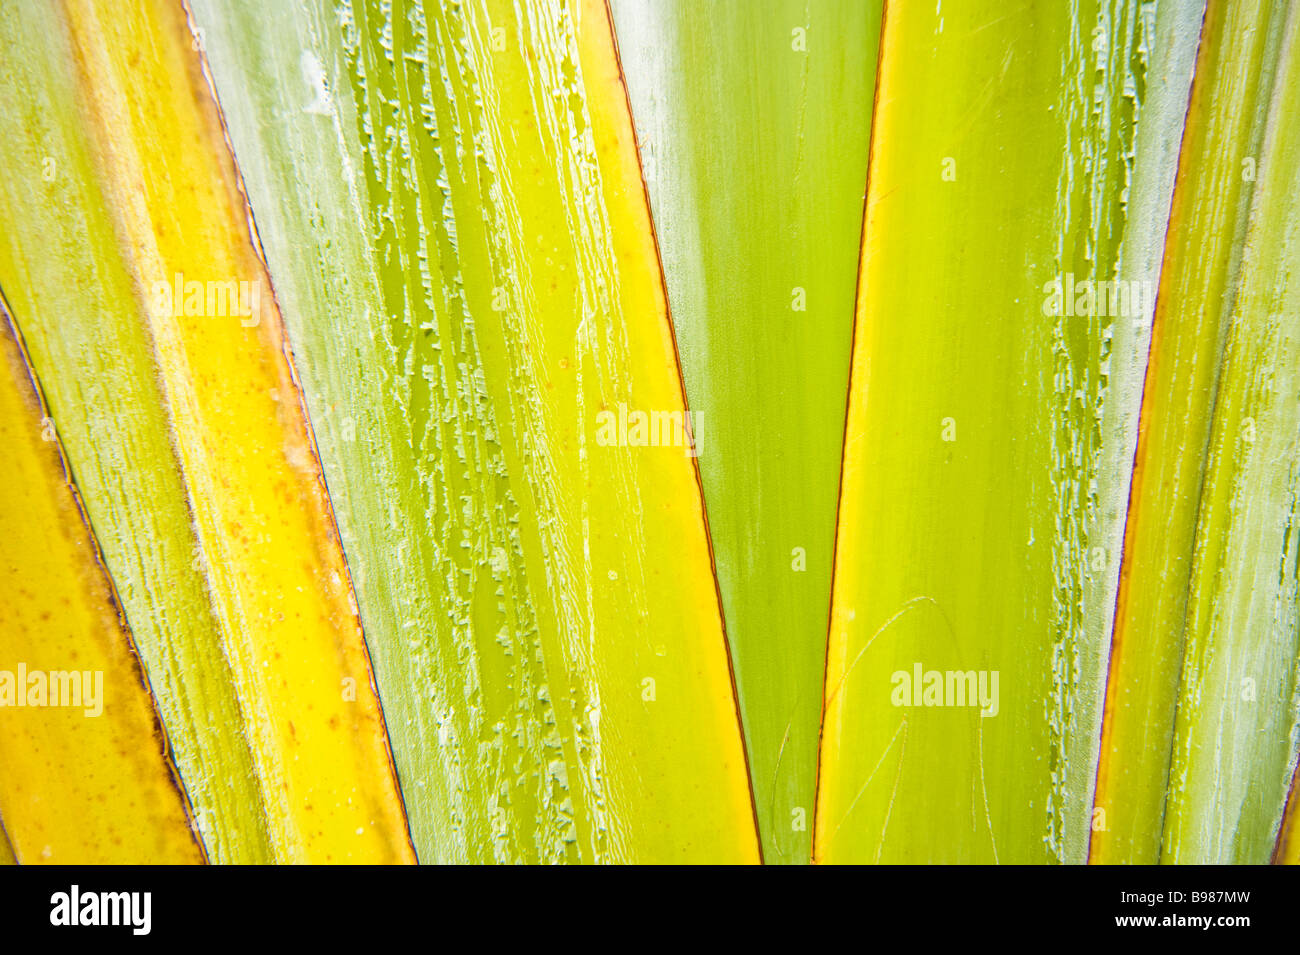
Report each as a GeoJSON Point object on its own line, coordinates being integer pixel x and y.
{"type": "Point", "coordinates": [992, 403]}
{"type": "Point", "coordinates": [467, 286]}
{"type": "Point", "coordinates": [753, 122]}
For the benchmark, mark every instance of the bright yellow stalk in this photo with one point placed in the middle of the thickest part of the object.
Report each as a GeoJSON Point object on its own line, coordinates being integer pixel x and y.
{"type": "Point", "coordinates": [468, 287]}
{"type": "Point", "coordinates": [279, 586]}
{"type": "Point", "coordinates": [1288, 839]}
{"type": "Point", "coordinates": [93, 782]}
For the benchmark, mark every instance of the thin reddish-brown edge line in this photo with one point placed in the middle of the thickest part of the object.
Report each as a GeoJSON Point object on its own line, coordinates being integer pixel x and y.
{"type": "Point", "coordinates": [286, 349]}
{"type": "Point", "coordinates": [695, 462]}
{"type": "Point", "coordinates": [10, 325]}
{"type": "Point", "coordinates": [848, 404]}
